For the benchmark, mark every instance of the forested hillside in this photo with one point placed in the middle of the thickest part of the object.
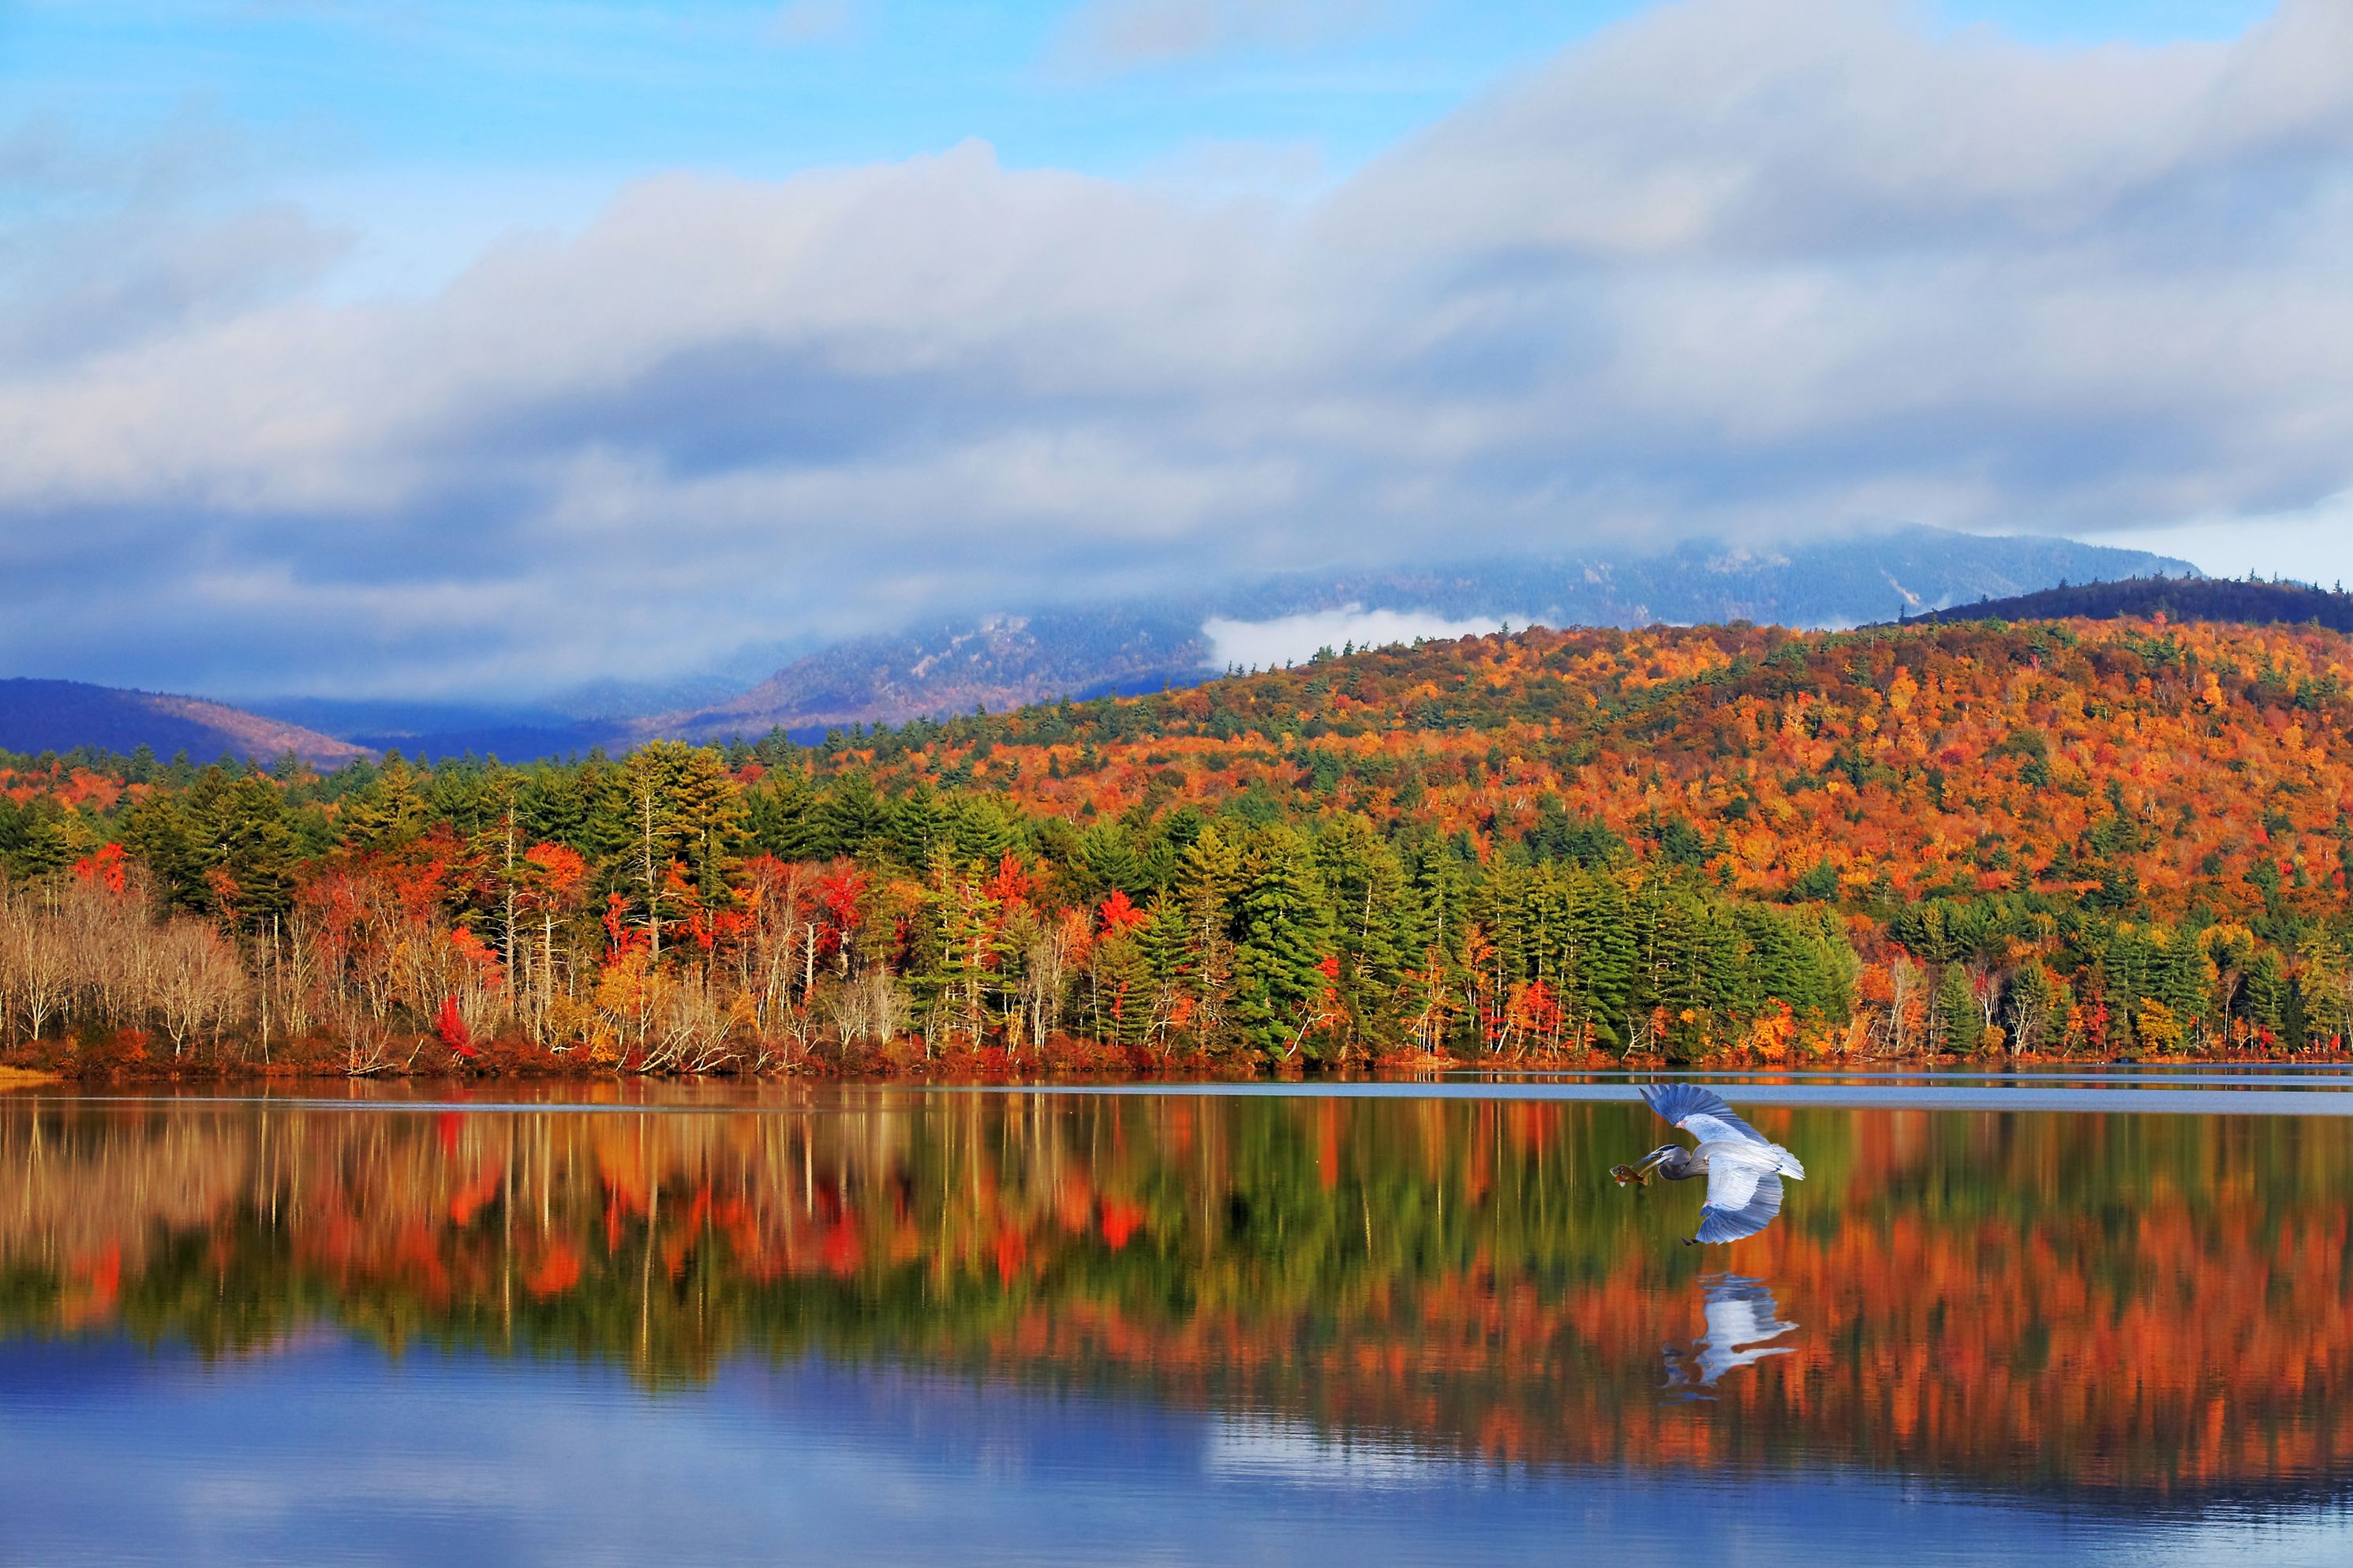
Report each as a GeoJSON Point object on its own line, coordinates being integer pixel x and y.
{"type": "Point", "coordinates": [2086, 837]}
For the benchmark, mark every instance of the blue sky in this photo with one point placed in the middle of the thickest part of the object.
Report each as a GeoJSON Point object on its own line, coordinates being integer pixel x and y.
{"type": "Point", "coordinates": [402, 347]}
{"type": "Point", "coordinates": [429, 126]}
{"type": "Point", "coordinates": [760, 88]}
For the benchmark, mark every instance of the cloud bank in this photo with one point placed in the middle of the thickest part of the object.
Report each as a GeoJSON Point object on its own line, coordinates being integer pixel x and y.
{"type": "Point", "coordinates": [1746, 266]}
{"type": "Point", "coordinates": [1289, 638]}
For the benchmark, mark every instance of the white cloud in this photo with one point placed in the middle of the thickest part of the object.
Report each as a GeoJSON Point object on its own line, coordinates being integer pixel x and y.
{"type": "Point", "coordinates": [1126, 34]}
{"type": "Point", "coordinates": [1742, 267]}
{"type": "Point", "coordinates": [1294, 638]}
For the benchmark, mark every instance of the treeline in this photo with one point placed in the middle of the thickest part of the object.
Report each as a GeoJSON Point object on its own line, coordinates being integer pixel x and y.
{"type": "Point", "coordinates": [2079, 838]}
{"type": "Point", "coordinates": [667, 912]}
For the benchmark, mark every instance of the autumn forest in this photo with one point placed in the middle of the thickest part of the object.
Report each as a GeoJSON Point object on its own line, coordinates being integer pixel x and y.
{"type": "Point", "coordinates": [1981, 839]}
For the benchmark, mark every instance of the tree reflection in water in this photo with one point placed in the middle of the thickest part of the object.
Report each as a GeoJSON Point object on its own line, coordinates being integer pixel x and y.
{"type": "Point", "coordinates": [2068, 1303]}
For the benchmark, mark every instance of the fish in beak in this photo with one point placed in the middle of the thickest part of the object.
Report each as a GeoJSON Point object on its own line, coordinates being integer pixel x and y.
{"type": "Point", "coordinates": [1639, 1174]}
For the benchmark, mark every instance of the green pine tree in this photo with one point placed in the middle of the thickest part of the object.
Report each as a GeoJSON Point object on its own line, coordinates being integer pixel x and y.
{"type": "Point", "coordinates": [389, 811]}
{"type": "Point", "coordinates": [1954, 1019]}
{"type": "Point", "coordinates": [1285, 938]}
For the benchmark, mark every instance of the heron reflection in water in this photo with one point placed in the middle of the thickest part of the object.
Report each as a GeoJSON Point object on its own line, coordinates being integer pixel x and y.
{"type": "Point", "coordinates": [1743, 1319]}
{"type": "Point", "coordinates": [1742, 1167]}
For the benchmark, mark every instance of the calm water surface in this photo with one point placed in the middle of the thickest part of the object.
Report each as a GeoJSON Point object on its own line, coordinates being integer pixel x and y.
{"type": "Point", "coordinates": [887, 1325]}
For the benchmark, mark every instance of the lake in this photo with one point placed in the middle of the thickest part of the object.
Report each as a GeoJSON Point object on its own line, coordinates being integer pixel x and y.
{"type": "Point", "coordinates": [2110, 1318]}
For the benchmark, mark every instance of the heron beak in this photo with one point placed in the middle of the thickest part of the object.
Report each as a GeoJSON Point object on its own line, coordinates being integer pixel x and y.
{"type": "Point", "coordinates": [1638, 1174]}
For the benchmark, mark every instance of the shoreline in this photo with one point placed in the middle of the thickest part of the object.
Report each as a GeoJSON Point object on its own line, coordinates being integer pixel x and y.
{"type": "Point", "coordinates": [1083, 1064]}
{"type": "Point", "coordinates": [2286, 1093]}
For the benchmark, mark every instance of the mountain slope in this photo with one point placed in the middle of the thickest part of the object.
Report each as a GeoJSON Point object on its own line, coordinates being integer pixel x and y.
{"type": "Point", "coordinates": [59, 715]}
{"type": "Point", "coordinates": [1826, 584]}
{"type": "Point", "coordinates": [1005, 661]}
{"type": "Point", "coordinates": [998, 664]}
{"type": "Point", "coordinates": [2129, 765]}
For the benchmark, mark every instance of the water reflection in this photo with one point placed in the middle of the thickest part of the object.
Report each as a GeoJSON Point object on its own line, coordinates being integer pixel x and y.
{"type": "Point", "coordinates": [2079, 1307]}
{"type": "Point", "coordinates": [1742, 1321]}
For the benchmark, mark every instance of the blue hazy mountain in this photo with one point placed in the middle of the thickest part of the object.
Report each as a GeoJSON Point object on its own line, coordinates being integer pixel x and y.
{"type": "Point", "coordinates": [59, 715]}
{"type": "Point", "coordinates": [1043, 652]}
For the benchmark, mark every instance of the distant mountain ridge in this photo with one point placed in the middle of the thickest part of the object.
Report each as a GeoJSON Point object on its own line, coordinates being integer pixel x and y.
{"type": "Point", "coordinates": [1824, 585]}
{"type": "Point", "coordinates": [2224, 600]}
{"type": "Point", "coordinates": [998, 662]}
{"type": "Point", "coordinates": [57, 716]}
{"type": "Point", "coordinates": [1005, 661]}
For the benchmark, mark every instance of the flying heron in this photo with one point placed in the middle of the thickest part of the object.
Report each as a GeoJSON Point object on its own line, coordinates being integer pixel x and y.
{"type": "Point", "coordinates": [1742, 1167]}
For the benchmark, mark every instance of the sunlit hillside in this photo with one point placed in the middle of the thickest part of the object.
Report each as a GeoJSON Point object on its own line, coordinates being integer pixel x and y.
{"type": "Point", "coordinates": [2117, 761]}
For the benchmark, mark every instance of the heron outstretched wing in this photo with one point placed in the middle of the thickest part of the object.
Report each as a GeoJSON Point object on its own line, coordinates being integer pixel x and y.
{"type": "Point", "coordinates": [1700, 1112]}
{"type": "Point", "coordinates": [1742, 1200]}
